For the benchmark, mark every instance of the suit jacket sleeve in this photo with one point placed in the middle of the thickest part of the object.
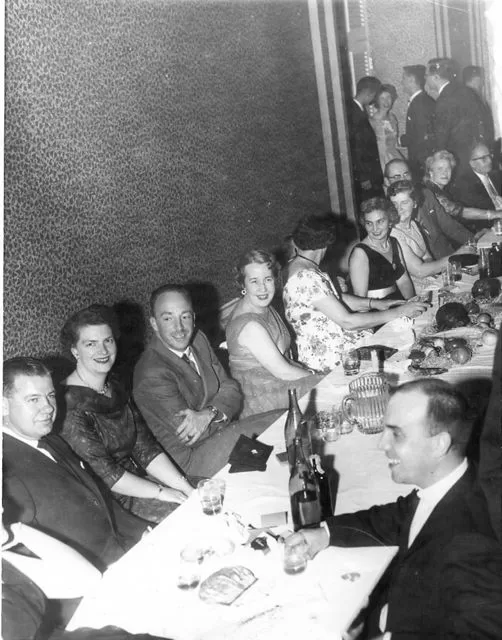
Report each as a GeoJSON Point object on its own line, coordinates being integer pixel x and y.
{"type": "Point", "coordinates": [228, 398]}
{"type": "Point", "coordinates": [18, 503]}
{"type": "Point", "coordinates": [451, 227]}
{"type": "Point", "coordinates": [381, 524]}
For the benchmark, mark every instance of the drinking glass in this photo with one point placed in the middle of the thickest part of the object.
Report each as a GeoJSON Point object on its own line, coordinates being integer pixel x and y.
{"type": "Point", "coordinates": [497, 227]}
{"type": "Point", "coordinates": [447, 276]}
{"type": "Point", "coordinates": [296, 554]}
{"type": "Point", "coordinates": [456, 271]}
{"type": "Point", "coordinates": [350, 362]}
{"type": "Point", "coordinates": [331, 431]}
{"type": "Point", "coordinates": [484, 263]}
{"type": "Point", "coordinates": [211, 494]}
{"type": "Point", "coordinates": [191, 557]}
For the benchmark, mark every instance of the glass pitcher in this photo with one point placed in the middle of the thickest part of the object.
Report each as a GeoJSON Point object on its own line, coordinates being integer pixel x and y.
{"type": "Point", "coordinates": [366, 403]}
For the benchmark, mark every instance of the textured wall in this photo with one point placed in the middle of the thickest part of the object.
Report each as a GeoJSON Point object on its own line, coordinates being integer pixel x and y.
{"type": "Point", "coordinates": [146, 141]}
{"type": "Point", "coordinates": [401, 32]}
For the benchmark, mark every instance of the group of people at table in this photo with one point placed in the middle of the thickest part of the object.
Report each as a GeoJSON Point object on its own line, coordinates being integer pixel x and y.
{"type": "Point", "coordinates": [89, 466]}
{"type": "Point", "coordinates": [115, 462]}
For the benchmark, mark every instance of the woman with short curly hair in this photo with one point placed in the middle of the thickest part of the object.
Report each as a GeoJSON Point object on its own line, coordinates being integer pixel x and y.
{"type": "Point", "coordinates": [258, 341]}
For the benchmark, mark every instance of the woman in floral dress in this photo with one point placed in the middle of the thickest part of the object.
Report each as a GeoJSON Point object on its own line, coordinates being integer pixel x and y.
{"type": "Point", "coordinates": [325, 320]}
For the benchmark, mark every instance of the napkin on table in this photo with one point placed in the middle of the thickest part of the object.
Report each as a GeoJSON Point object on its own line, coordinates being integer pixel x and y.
{"type": "Point", "coordinates": [249, 454]}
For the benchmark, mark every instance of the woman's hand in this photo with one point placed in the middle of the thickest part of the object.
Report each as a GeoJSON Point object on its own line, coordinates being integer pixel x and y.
{"type": "Point", "coordinates": [411, 309]}
{"type": "Point", "coordinates": [166, 494]}
{"type": "Point", "coordinates": [383, 305]}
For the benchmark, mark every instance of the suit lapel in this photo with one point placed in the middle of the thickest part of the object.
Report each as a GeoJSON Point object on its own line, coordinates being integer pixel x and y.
{"type": "Point", "coordinates": [193, 384]}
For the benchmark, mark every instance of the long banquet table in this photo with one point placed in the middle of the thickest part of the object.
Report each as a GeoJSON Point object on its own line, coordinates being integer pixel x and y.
{"type": "Point", "coordinates": [139, 592]}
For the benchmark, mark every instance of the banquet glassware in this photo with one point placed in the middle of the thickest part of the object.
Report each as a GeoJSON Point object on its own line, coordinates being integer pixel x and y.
{"type": "Point", "coordinates": [447, 275]}
{"type": "Point", "coordinates": [211, 494]}
{"type": "Point", "coordinates": [366, 403]}
{"type": "Point", "coordinates": [295, 554]}
{"type": "Point", "coordinates": [191, 557]}
{"type": "Point", "coordinates": [484, 263]}
{"type": "Point", "coordinates": [331, 430]}
{"type": "Point", "coordinates": [351, 362]}
{"type": "Point", "coordinates": [456, 271]}
{"type": "Point", "coordinates": [497, 227]}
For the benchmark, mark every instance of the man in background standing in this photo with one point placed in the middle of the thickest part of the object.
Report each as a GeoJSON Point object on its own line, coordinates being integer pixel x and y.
{"type": "Point", "coordinates": [366, 169]}
{"type": "Point", "coordinates": [419, 135]}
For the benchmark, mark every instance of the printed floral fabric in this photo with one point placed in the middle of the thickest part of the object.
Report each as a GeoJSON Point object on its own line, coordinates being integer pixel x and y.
{"type": "Point", "coordinates": [319, 339]}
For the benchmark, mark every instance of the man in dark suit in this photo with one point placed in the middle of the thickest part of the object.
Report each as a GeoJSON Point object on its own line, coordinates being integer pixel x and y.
{"type": "Point", "coordinates": [366, 169]}
{"type": "Point", "coordinates": [459, 117]}
{"type": "Point", "coordinates": [183, 391]}
{"type": "Point", "coordinates": [446, 579]}
{"type": "Point", "coordinates": [443, 233]}
{"type": "Point", "coordinates": [45, 482]}
{"type": "Point", "coordinates": [419, 135]}
{"type": "Point", "coordinates": [478, 185]}
{"type": "Point", "coordinates": [474, 78]}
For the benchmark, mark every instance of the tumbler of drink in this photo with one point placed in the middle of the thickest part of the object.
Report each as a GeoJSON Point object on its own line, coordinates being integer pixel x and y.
{"type": "Point", "coordinates": [456, 270]}
{"type": "Point", "coordinates": [191, 557]}
{"type": "Point", "coordinates": [210, 495]}
{"type": "Point", "coordinates": [331, 431]}
{"type": "Point", "coordinates": [497, 227]}
{"type": "Point", "coordinates": [351, 362]}
{"type": "Point", "coordinates": [296, 554]}
{"type": "Point", "coordinates": [447, 276]}
{"type": "Point", "coordinates": [484, 263]}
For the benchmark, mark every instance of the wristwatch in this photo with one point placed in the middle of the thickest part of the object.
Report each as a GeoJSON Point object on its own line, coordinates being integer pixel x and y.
{"type": "Point", "coordinates": [214, 411]}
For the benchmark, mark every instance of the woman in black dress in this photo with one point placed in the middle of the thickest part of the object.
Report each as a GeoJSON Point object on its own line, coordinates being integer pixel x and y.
{"type": "Point", "coordinates": [105, 428]}
{"type": "Point", "coordinates": [376, 265]}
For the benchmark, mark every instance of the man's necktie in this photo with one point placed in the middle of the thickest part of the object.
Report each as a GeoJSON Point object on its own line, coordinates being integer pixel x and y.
{"type": "Point", "coordinates": [492, 192]}
{"type": "Point", "coordinates": [190, 362]}
{"type": "Point", "coordinates": [414, 502]}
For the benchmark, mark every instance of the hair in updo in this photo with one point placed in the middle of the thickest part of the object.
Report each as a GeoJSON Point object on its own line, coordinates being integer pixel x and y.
{"type": "Point", "coordinates": [440, 155]}
{"type": "Point", "coordinates": [378, 204]}
{"type": "Point", "coordinates": [315, 232]}
{"type": "Point", "coordinates": [255, 256]}
{"type": "Point", "coordinates": [96, 314]}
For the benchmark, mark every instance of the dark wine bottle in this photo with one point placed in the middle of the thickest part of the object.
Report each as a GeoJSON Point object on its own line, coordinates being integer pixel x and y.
{"type": "Point", "coordinates": [324, 491]}
{"type": "Point", "coordinates": [293, 421]}
{"type": "Point", "coordinates": [303, 492]}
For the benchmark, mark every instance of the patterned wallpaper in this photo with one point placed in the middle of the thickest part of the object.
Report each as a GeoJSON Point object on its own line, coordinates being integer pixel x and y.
{"type": "Point", "coordinates": [148, 141]}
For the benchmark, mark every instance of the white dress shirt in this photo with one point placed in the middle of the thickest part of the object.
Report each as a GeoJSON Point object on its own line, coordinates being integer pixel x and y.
{"type": "Point", "coordinates": [414, 96]}
{"type": "Point", "coordinates": [441, 90]}
{"type": "Point", "coordinates": [189, 354]}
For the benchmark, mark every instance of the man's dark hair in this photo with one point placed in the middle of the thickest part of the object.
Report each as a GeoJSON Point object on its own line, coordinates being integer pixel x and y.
{"type": "Point", "coordinates": [472, 71]}
{"type": "Point", "coordinates": [315, 231]}
{"type": "Point", "coordinates": [447, 410]}
{"type": "Point", "coordinates": [416, 71]}
{"type": "Point", "coordinates": [368, 83]}
{"type": "Point", "coordinates": [94, 315]}
{"type": "Point", "coordinates": [445, 68]}
{"type": "Point", "coordinates": [21, 366]}
{"type": "Point", "coordinates": [167, 288]}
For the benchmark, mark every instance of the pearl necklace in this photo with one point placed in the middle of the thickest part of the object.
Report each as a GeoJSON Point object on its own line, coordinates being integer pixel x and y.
{"type": "Point", "coordinates": [102, 392]}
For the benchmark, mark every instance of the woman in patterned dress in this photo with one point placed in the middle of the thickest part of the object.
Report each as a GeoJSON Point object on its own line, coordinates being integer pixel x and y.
{"type": "Point", "coordinates": [325, 320]}
{"type": "Point", "coordinates": [105, 428]}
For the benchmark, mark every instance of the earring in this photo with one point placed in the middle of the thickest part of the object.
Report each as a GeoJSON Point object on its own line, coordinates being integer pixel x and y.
{"type": "Point", "coordinates": [243, 292]}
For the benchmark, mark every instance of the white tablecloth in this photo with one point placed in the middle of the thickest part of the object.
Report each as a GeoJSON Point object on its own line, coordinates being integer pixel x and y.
{"type": "Point", "coordinates": [139, 592]}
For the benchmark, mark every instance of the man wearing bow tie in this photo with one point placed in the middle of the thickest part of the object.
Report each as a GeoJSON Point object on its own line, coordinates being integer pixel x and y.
{"type": "Point", "coordinates": [46, 484]}
{"type": "Point", "coordinates": [183, 391]}
{"type": "Point", "coordinates": [445, 581]}
{"type": "Point", "coordinates": [419, 135]}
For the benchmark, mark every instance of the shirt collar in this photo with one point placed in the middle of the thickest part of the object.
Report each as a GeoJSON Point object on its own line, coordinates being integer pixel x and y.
{"type": "Point", "coordinates": [445, 85]}
{"type": "Point", "coordinates": [414, 96]}
{"type": "Point", "coordinates": [31, 443]}
{"type": "Point", "coordinates": [180, 354]}
{"type": "Point", "coordinates": [482, 176]}
{"type": "Point", "coordinates": [437, 491]}
{"type": "Point", "coordinates": [359, 104]}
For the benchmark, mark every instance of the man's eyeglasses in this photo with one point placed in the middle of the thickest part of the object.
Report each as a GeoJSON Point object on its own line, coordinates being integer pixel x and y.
{"type": "Point", "coordinates": [485, 157]}
{"type": "Point", "coordinates": [406, 175]}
